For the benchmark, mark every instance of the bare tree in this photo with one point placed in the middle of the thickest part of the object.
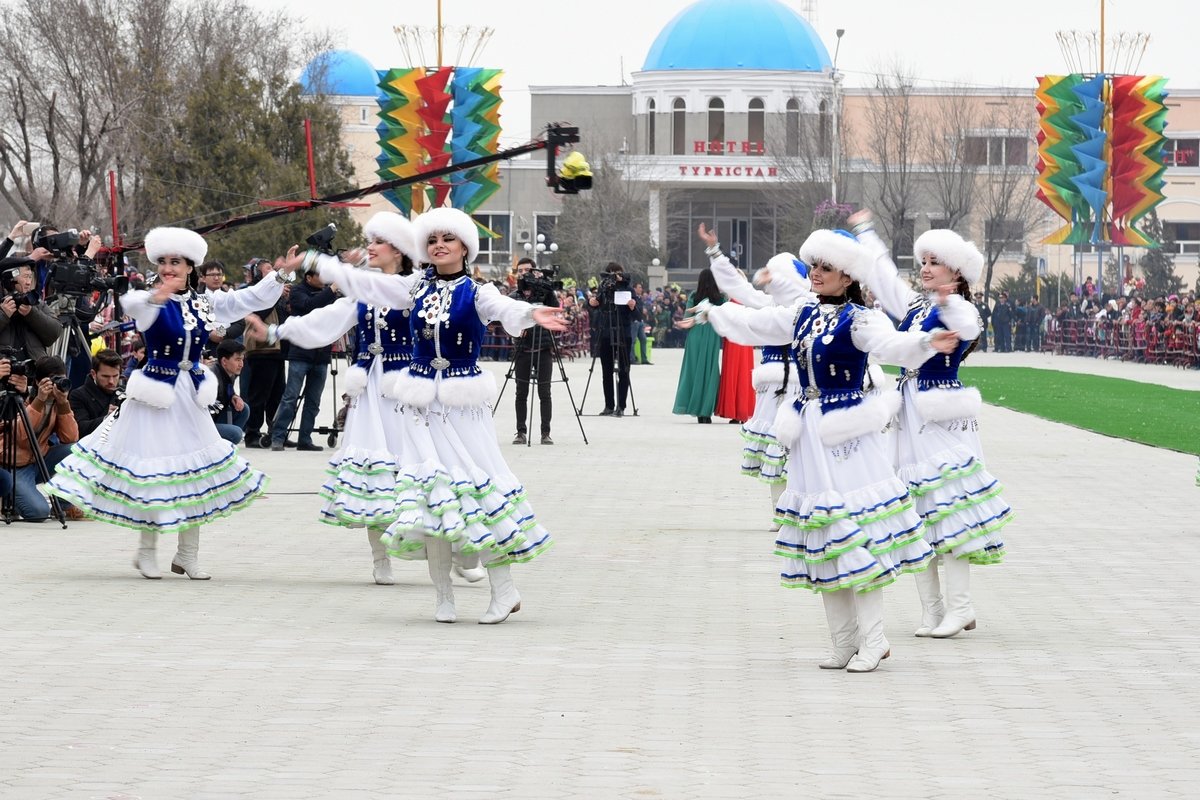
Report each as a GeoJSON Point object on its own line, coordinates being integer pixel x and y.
{"type": "Point", "coordinates": [802, 161]}
{"type": "Point", "coordinates": [610, 222]}
{"type": "Point", "coordinates": [952, 171]}
{"type": "Point", "coordinates": [1006, 194]}
{"type": "Point", "coordinates": [106, 82]}
{"type": "Point", "coordinates": [892, 140]}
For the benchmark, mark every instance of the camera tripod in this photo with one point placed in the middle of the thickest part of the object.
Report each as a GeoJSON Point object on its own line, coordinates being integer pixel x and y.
{"type": "Point", "coordinates": [12, 410]}
{"type": "Point", "coordinates": [619, 353]}
{"type": "Point", "coordinates": [529, 343]}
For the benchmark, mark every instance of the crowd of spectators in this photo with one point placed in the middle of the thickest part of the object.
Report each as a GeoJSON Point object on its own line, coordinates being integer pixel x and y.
{"type": "Point", "coordinates": [1130, 326]}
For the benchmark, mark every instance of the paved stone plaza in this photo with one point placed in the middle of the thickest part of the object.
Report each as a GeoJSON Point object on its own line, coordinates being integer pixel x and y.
{"type": "Point", "coordinates": [655, 655]}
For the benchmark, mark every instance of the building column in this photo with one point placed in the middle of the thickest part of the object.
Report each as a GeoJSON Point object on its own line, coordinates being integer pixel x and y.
{"type": "Point", "coordinates": [655, 216]}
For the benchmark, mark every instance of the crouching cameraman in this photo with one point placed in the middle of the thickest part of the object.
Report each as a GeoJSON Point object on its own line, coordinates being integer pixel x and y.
{"type": "Point", "coordinates": [50, 414]}
{"type": "Point", "coordinates": [97, 398]}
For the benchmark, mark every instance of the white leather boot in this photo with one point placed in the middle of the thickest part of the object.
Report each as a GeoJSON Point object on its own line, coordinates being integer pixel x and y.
{"type": "Point", "coordinates": [146, 559]}
{"type": "Point", "coordinates": [960, 615]}
{"type": "Point", "coordinates": [383, 562]}
{"type": "Point", "coordinates": [843, 628]}
{"type": "Point", "coordinates": [468, 567]}
{"type": "Point", "coordinates": [930, 591]}
{"type": "Point", "coordinates": [776, 493]}
{"type": "Point", "coordinates": [187, 557]}
{"type": "Point", "coordinates": [437, 554]}
{"type": "Point", "coordinates": [873, 647]}
{"type": "Point", "coordinates": [505, 599]}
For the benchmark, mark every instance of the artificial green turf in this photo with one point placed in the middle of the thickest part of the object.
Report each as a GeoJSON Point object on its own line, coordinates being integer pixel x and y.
{"type": "Point", "coordinates": [1140, 412]}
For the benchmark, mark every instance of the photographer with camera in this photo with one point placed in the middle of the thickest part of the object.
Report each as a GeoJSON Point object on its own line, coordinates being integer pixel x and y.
{"type": "Point", "coordinates": [97, 397]}
{"type": "Point", "coordinates": [49, 413]}
{"type": "Point", "coordinates": [25, 324]}
{"type": "Point", "coordinates": [307, 368]}
{"type": "Point", "coordinates": [611, 323]}
{"type": "Point", "coordinates": [537, 287]}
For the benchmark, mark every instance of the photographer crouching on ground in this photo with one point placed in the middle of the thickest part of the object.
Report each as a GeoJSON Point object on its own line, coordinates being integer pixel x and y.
{"type": "Point", "coordinates": [97, 397]}
{"type": "Point", "coordinates": [537, 286]}
{"type": "Point", "coordinates": [50, 414]}
{"type": "Point", "coordinates": [611, 322]}
{"type": "Point", "coordinates": [230, 411]}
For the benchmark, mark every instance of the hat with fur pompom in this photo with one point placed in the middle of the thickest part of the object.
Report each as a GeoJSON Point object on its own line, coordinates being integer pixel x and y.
{"type": "Point", "coordinates": [447, 220]}
{"type": "Point", "coordinates": [176, 242]}
{"type": "Point", "coordinates": [952, 250]}
{"type": "Point", "coordinates": [396, 231]}
{"type": "Point", "coordinates": [839, 249]}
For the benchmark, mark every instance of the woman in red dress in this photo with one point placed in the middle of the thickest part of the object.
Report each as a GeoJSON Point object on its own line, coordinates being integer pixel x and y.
{"type": "Point", "coordinates": [735, 398]}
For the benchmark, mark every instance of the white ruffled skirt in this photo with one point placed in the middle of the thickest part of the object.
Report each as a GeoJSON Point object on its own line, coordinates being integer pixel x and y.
{"type": "Point", "coordinates": [959, 501]}
{"type": "Point", "coordinates": [763, 456]}
{"type": "Point", "coordinates": [847, 521]}
{"type": "Point", "coordinates": [456, 486]}
{"type": "Point", "coordinates": [360, 489]}
{"type": "Point", "coordinates": [159, 469]}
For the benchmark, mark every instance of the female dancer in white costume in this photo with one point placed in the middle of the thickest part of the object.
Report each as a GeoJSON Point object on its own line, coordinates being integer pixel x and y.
{"type": "Point", "coordinates": [848, 523]}
{"type": "Point", "coordinates": [456, 493]}
{"type": "Point", "coordinates": [936, 440]}
{"type": "Point", "coordinates": [361, 489]}
{"type": "Point", "coordinates": [785, 282]}
{"type": "Point", "coordinates": [158, 465]}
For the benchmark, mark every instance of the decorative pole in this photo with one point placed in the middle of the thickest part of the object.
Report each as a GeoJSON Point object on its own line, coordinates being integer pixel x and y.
{"type": "Point", "coordinates": [439, 35]}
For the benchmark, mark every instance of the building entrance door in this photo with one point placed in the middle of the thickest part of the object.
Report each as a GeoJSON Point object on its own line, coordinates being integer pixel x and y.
{"type": "Point", "coordinates": [734, 235]}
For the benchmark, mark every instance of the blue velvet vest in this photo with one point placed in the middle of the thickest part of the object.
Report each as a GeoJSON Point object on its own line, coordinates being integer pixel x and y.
{"type": "Point", "coordinates": [828, 364]}
{"type": "Point", "coordinates": [385, 334]}
{"type": "Point", "coordinates": [447, 332]}
{"type": "Point", "coordinates": [175, 341]}
{"type": "Point", "coordinates": [774, 354]}
{"type": "Point", "coordinates": [940, 371]}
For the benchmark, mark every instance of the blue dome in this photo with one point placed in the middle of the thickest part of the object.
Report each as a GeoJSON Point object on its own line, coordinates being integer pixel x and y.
{"type": "Point", "coordinates": [738, 34]}
{"type": "Point", "coordinates": [341, 72]}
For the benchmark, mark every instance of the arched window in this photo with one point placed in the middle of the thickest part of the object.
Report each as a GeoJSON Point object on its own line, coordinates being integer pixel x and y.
{"type": "Point", "coordinates": [716, 120]}
{"type": "Point", "coordinates": [792, 137]}
{"type": "Point", "coordinates": [678, 127]}
{"type": "Point", "coordinates": [650, 117]}
{"type": "Point", "coordinates": [758, 124]}
{"type": "Point", "coordinates": [823, 130]}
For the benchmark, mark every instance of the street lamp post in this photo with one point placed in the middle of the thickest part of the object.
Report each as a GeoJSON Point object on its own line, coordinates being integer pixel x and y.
{"type": "Point", "coordinates": [541, 247]}
{"type": "Point", "coordinates": [835, 156]}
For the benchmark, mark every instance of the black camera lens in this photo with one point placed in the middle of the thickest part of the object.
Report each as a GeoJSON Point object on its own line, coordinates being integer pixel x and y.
{"type": "Point", "coordinates": [62, 383]}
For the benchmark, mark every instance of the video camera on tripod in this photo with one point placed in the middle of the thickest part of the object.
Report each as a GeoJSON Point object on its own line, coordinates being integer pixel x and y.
{"type": "Point", "coordinates": [70, 272]}
{"type": "Point", "coordinates": [539, 280]}
{"type": "Point", "coordinates": [608, 284]}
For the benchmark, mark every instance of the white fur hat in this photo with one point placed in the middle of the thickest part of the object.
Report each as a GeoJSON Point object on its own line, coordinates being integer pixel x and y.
{"type": "Point", "coordinates": [787, 281]}
{"type": "Point", "coordinates": [952, 250]}
{"type": "Point", "coordinates": [838, 249]}
{"type": "Point", "coordinates": [447, 220]}
{"type": "Point", "coordinates": [396, 231]}
{"type": "Point", "coordinates": [175, 242]}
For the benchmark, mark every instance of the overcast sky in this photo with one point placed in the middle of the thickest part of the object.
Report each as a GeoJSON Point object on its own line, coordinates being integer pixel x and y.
{"type": "Point", "coordinates": [985, 42]}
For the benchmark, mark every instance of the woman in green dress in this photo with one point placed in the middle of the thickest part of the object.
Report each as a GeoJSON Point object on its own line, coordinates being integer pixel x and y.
{"type": "Point", "coordinates": [700, 375]}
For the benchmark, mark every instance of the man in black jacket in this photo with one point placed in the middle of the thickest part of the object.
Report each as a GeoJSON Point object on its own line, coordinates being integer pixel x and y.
{"type": "Point", "coordinates": [231, 412]}
{"type": "Point", "coordinates": [306, 369]}
{"type": "Point", "coordinates": [611, 325]}
{"type": "Point", "coordinates": [534, 348]}
{"type": "Point", "coordinates": [97, 397]}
